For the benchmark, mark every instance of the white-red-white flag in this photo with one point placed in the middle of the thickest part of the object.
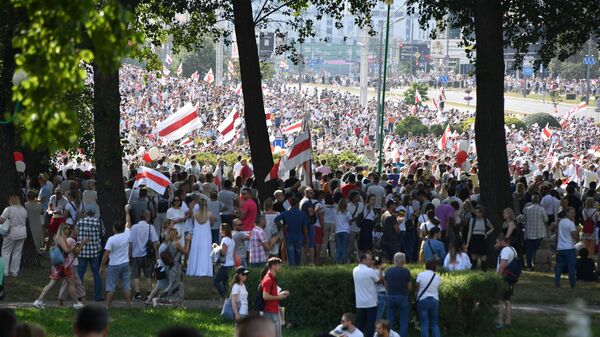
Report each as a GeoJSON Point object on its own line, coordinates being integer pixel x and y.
{"type": "Point", "coordinates": [546, 133]}
{"type": "Point", "coordinates": [228, 127]}
{"type": "Point", "coordinates": [179, 124]}
{"type": "Point", "coordinates": [180, 69]}
{"type": "Point", "coordinates": [443, 142]}
{"type": "Point", "coordinates": [168, 59]}
{"type": "Point", "coordinates": [571, 113]}
{"type": "Point", "coordinates": [294, 127]}
{"type": "Point", "coordinates": [418, 99]}
{"type": "Point", "coordinates": [195, 76]}
{"type": "Point", "coordinates": [276, 171]}
{"type": "Point", "coordinates": [268, 118]}
{"type": "Point", "coordinates": [152, 179]}
{"type": "Point", "coordinates": [187, 141]}
{"type": "Point", "coordinates": [166, 71]}
{"type": "Point", "coordinates": [299, 151]}
{"type": "Point", "coordinates": [209, 77]}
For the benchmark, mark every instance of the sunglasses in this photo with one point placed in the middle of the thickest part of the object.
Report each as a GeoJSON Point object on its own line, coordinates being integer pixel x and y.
{"type": "Point", "coordinates": [176, 200]}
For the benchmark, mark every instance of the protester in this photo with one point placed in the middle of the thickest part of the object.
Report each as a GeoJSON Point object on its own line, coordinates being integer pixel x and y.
{"type": "Point", "coordinates": [383, 329]}
{"type": "Point", "coordinates": [566, 255]}
{"type": "Point", "coordinates": [142, 237]}
{"type": "Point", "coordinates": [535, 228]}
{"type": "Point", "coordinates": [294, 221]}
{"type": "Point", "coordinates": [457, 259]}
{"type": "Point", "coordinates": [347, 327]}
{"type": "Point", "coordinates": [365, 280]}
{"type": "Point", "coordinates": [507, 255]}
{"type": "Point", "coordinates": [434, 248]}
{"type": "Point", "coordinates": [91, 321]}
{"type": "Point", "coordinates": [260, 244]}
{"type": "Point", "coordinates": [199, 263]}
{"type": "Point", "coordinates": [271, 294]}
{"type": "Point", "coordinates": [226, 262]}
{"type": "Point", "coordinates": [12, 245]}
{"type": "Point", "coordinates": [91, 229]}
{"type": "Point", "coordinates": [428, 301]}
{"type": "Point", "coordinates": [255, 326]}
{"type": "Point", "coordinates": [35, 218]}
{"type": "Point", "coordinates": [116, 255]}
{"type": "Point", "coordinates": [239, 294]}
{"type": "Point", "coordinates": [398, 284]}
{"type": "Point", "coordinates": [171, 258]}
{"type": "Point", "coordinates": [479, 229]}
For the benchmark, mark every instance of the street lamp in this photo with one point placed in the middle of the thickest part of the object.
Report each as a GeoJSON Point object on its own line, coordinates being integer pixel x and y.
{"type": "Point", "coordinates": [382, 107]}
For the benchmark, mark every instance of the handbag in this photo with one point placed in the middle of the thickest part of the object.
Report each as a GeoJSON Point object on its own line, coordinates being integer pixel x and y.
{"type": "Point", "coordinates": [166, 257]}
{"type": "Point", "coordinates": [5, 227]}
{"type": "Point", "coordinates": [56, 256]}
{"type": "Point", "coordinates": [160, 273]}
{"type": "Point", "coordinates": [422, 293]}
{"type": "Point", "coordinates": [227, 312]}
{"type": "Point", "coordinates": [150, 251]}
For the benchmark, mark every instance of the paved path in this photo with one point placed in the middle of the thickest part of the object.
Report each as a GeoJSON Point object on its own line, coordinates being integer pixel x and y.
{"type": "Point", "coordinates": [216, 304]}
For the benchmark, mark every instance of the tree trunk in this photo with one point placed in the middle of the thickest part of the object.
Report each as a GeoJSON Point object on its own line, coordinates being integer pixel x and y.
{"type": "Point", "coordinates": [489, 123]}
{"type": "Point", "coordinates": [108, 154]}
{"type": "Point", "coordinates": [254, 110]}
{"type": "Point", "coordinates": [38, 161]}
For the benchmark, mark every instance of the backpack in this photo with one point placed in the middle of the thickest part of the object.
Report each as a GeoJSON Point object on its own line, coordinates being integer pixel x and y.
{"type": "Point", "coordinates": [150, 251]}
{"type": "Point", "coordinates": [259, 301]}
{"type": "Point", "coordinates": [588, 224]}
{"type": "Point", "coordinates": [512, 272]}
{"type": "Point", "coordinates": [152, 209]}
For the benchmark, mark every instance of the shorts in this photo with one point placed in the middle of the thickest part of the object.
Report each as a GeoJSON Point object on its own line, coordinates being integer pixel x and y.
{"type": "Point", "coordinates": [318, 235]}
{"type": "Point", "coordinates": [506, 296]}
{"type": "Point", "coordinates": [311, 237]}
{"type": "Point", "coordinates": [54, 224]}
{"type": "Point", "coordinates": [140, 264]}
{"type": "Point", "coordinates": [114, 274]}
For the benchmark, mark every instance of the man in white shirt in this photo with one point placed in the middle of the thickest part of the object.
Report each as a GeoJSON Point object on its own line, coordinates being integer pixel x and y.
{"type": "Point", "coordinates": [379, 193]}
{"type": "Point", "coordinates": [383, 329]}
{"type": "Point", "coordinates": [139, 235]}
{"type": "Point", "coordinates": [566, 254]}
{"type": "Point", "coordinates": [507, 255]}
{"type": "Point", "coordinates": [365, 279]}
{"type": "Point", "coordinates": [347, 328]}
{"type": "Point", "coordinates": [117, 249]}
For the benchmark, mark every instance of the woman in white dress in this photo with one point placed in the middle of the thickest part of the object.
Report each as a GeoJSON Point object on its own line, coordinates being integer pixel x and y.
{"type": "Point", "coordinates": [457, 259]}
{"type": "Point", "coordinates": [199, 261]}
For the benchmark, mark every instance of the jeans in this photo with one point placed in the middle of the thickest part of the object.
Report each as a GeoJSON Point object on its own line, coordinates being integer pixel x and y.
{"type": "Point", "coordinates": [94, 263]}
{"type": "Point", "coordinates": [407, 245]}
{"type": "Point", "coordinates": [398, 305]}
{"type": "Point", "coordinates": [215, 235]}
{"type": "Point", "coordinates": [568, 257]}
{"type": "Point", "coordinates": [341, 247]}
{"type": "Point", "coordinates": [294, 250]}
{"type": "Point", "coordinates": [220, 280]}
{"type": "Point", "coordinates": [429, 310]}
{"type": "Point", "coordinates": [365, 320]}
{"type": "Point", "coordinates": [381, 300]}
{"type": "Point", "coordinates": [531, 248]}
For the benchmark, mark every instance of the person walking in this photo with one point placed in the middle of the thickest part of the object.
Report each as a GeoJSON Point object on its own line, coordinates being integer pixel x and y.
{"type": "Point", "coordinates": [271, 293]}
{"type": "Point", "coordinates": [365, 289]}
{"type": "Point", "coordinates": [143, 238]}
{"type": "Point", "coordinates": [91, 229]}
{"type": "Point", "coordinates": [239, 294]}
{"type": "Point", "coordinates": [171, 260]}
{"type": "Point", "coordinates": [199, 263]}
{"type": "Point", "coordinates": [398, 284]}
{"type": "Point", "coordinates": [116, 256]}
{"type": "Point", "coordinates": [12, 245]}
{"type": "Point", "coordinates": [567, 235]}
{"type": "Point", "coordinates": [428, 300]}
{"type": "Point", "coordinates": [507, 255]}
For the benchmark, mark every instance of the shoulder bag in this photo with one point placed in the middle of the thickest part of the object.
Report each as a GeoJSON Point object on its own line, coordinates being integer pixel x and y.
{"type": "Point", "coordinates": [423, 292]}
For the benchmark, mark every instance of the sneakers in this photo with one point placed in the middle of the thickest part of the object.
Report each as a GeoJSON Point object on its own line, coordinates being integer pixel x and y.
{"type": "Point", "coordinates": [138, 296]}
{"type": "Point", "coordinates": [78, 305]}
{"type": "Point", "coordinates": [39, 304]}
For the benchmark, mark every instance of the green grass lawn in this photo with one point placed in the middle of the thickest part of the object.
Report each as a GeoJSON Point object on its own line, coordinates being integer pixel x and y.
{"type": "Point", "coordinates": [142, 323]}
{"type": "Point", "coordinates": [538, 288]}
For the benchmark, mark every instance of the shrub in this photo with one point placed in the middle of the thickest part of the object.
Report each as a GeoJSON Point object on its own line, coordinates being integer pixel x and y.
{"type": "Point", "coordinates": [409, 94]}
{"type": "Point", "coordinates": [508, 121]}
{"type": "Point", "coordinates": [411, 125]}
{"type": "Point", "coordinates": [335, 160]}
{"type": "Point", "coordinates": [541, 118]}
{"type": "Point", "coordinates": [438, 129]}
{"type": "Point", "coordinates": [319, 295]}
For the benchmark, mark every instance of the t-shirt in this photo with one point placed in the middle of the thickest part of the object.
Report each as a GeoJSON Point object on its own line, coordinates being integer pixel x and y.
{"type": "Point", "coordinates": [342, 224]}
{"type": "Point", "coordinates": [229, 262]}
{"type": "Point", "coordinates": [508, 254]}
{"type": "Point", "coordinates": [251, 210]}
{"type": "Point", "coordinates": [139, 235]}
{"type": "Point", "coordinates": [18, 220]}
{"type": "Point", "coordinates": [432, 291]}
{"type": "Point", "coordinates": [364, 286]}
{"type": "Point", "coordinates": [173, 213]}
{"type": "Point", "coordinates": [227, 198]}
{"type": "Point", "coordinates": [396, 279]}
{"type": "Point", "coordinates": [379, 193]}
{"type": "Point", "coordinates": [240, 246]}
{"type": "Point", "coordinates": [242, 293]}
{"type": "Point", "coordinates": [118, 245]}
{"type": "Point", "coordinates": [357, 333]}
{"type": "Point", "coordinates": [269, 284]}
{"type": "Point", "coordinates": [565, 239]}
{"type": "Point", "coordinates": [444, 213]}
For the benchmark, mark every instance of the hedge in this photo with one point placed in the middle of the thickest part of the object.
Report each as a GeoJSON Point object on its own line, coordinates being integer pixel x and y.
{"type": "Point", "coordinates": [320, 295]}
{"type": "Point", "coordinates": [508, 121]}
{"type": "Point", "coordinates": [541, 118]}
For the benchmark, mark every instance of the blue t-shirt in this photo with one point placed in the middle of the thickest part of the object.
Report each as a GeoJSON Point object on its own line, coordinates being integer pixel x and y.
{"type": "Point", "coordinates": [396, 280]}
{"type": "Point", "coordinates": [437, 247]}
{"type": "Point", "coordinates": [295, 220]}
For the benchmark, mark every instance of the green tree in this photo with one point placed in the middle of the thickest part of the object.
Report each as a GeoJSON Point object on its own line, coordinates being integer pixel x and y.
{"type": "Point", "coordinates": [558, 28]}
{"type": "Point", "coordinates": [200, 58]}
{"type": "Point", "coordinates": [409, 94]}
{"type": "Point", "coordinates": [541, 119]}
{"type": "Point", "coordinates": [411, 126]}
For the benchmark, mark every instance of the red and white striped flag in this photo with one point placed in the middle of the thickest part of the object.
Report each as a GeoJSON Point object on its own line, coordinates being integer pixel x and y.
{"type": "Point", "coordinates": [276, 171]}
{"type": "Point", "coordinates": [152, 179]}
{"type": "Point", "coordinates": [168, 59]}
{"type": "Point", "coordinates": [294, 127]}
{"type": "Point", "coordinates": [195, 77]}
{"type": "Point", "coordinates": [228, 127]}
{"type": "Point", "coordinates": [192, 94]}
{"type": "Point", "coordinates": [417, 97]}
{"type": "Point", "coordinates": [571, 113]}
{"type": "Point", "coordinates": [230, 68]}
{"type": "Point", "coordinates": [546, 133]}
{"type": "Point", "coordinates": [179, 124]}
{"type": "Point", "coordinates": [180, 69]}
{"type": "Point", "coordinates": [209, 77]}
{"type": "Point", "coordinates": [187, 141]}
{"type": "Point", "coordinates": [299, 152]}
{"type": "Point", "coordinates": [268, 118]}
{"type": "Point", "coordinates": [443, 142]}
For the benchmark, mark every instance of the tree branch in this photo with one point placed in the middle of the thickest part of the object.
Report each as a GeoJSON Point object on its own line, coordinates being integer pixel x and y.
{"type": "Point", "coordinates": [260, 11]}
{"type": "Point", "coordinates": [287, 3]}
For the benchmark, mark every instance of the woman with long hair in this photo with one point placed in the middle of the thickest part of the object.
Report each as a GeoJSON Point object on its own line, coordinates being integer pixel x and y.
{"type": "Point", "coordinates": [271, 228]}
{"type": "Point", "coordinates": [74, 208]}
{"type": "Point", "coordinates": [239, 293]}
{"type": "Point", "coordinates": [342, 231]}
{"type": "Point", "coordinates": [510, 229]}
{"type": "Point", "coordinates": [329, 210]}
{"type": "Point", "coordinates": [174, 293]}
{"type": "Point", "coordinates": [457, 259]}
{"type": "Point", "coordinates": [63, 271]}
{"type": "Point", "coordinates": [226, 261]}
{"type": "Point", "coordinates": [479, 229]}
{"type": "Point", "coordinates": [12, 245]}
{"type": "Point", "coordinates": [199, 263]}
{"type": "Point", "coordinates": [589, 237]}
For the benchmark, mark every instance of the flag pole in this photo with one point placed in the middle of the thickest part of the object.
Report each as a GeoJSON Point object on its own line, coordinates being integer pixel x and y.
{"type": "Point", "coordinates": [382, 106]}
{"type": "Point", "coordinates": [308, 164]}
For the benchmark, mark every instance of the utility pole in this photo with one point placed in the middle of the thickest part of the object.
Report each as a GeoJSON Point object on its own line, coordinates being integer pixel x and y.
{"type": "Point", "coordinates": [364, 67]}
{"type": "Point", "coordinates": [380, 67]}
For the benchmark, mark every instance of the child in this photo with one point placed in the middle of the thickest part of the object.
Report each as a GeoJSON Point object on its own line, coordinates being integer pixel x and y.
{"type": "Point", "coordinates": [585, 267]}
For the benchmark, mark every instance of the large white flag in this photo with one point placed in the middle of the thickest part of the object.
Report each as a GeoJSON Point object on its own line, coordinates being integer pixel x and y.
{"type": "Point", "coordinates": [299, 152]}
{"type": "Point", "coordinates": [153, 179]}
{"type": "Point", "coordinates": [179, 124]}
{"type": "Point", "coordinates": [228, 127]}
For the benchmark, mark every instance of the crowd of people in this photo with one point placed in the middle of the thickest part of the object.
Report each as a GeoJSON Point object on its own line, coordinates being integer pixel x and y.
{"type": "Point", "coordinates": [423, 207]}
